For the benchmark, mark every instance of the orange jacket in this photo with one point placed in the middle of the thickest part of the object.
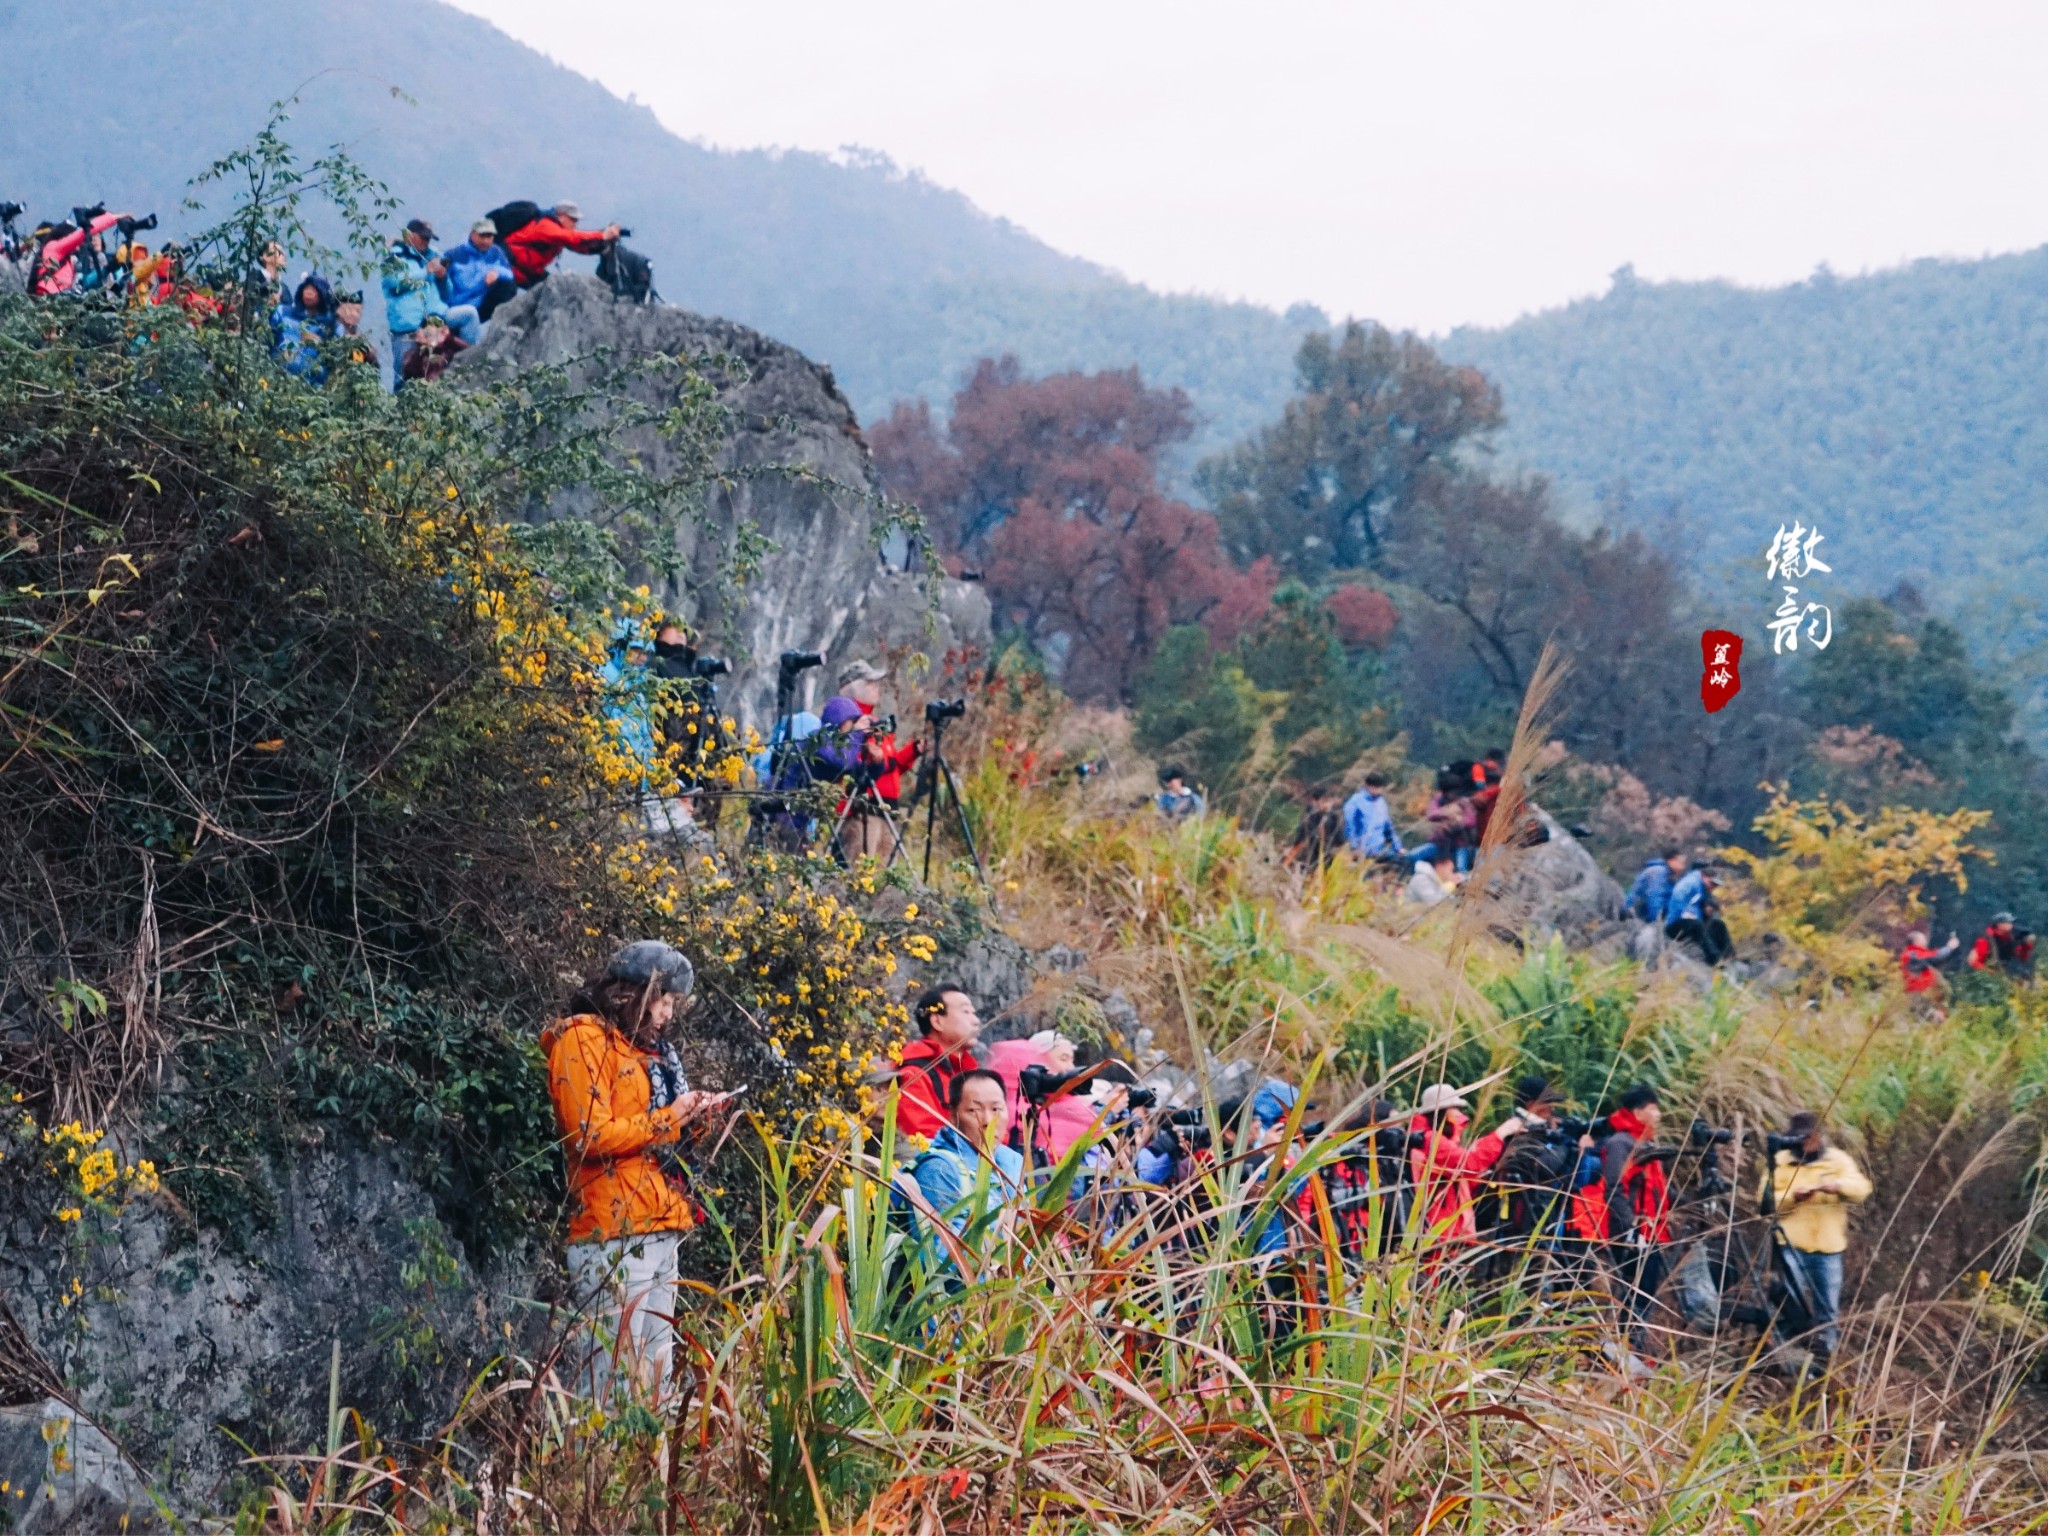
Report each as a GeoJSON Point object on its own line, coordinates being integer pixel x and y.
{"type": "Point", "coordinates": [601, 1090]}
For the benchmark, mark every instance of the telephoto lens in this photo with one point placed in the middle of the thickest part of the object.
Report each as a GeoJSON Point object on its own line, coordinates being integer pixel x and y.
{"type": "Point", "coordinates": [945, 709]}
{"type": "Point", "coordinates": [710, 666]}
{"type": "Point", "coordinates": [799, 661]}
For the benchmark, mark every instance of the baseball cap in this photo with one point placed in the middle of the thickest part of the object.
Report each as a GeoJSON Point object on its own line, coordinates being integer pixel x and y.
{"type": "Point", "coordinates": [483, 227]}
{"type": "Point", "coordinates": [419, 227]}
{"type": "Point", "coordinates": [568, 210]}
{"type": "Point", "coordinates": [860, 672]}
{"type": "Point", "coordinates": [1440, 1096]}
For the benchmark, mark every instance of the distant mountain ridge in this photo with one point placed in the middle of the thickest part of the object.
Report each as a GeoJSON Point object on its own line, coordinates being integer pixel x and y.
{"type": "Point", "coordinates": [1902, 412]}
{"type": "Point", "coordinates": [898, 283]}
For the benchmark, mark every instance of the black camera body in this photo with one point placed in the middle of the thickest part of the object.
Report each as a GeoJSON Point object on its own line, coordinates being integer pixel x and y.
{"type": "Point", "coordinates": [128, 227]}
{"type": "Point", "coordinates": [1777, 1141]}
{"type": "Point", "coordinates": [708, 667]}
{"type": "Point", "coordinates": [945, 709]}
{"type": "Point", "coordinates": [793, 662]}
{"type": "Point", "coordinates": [1705, 1135]}
{"type": "Point", "coordinates": [10, 211]}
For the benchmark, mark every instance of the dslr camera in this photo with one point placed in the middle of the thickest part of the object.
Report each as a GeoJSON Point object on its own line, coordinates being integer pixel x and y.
{"type": "Point", "coordinates": [708, 667]}
{"type": "Point", "coordinates": [128, 227]}
{"type": "Point", "coordinates": [945, 709]}
{"type": "Point", "coordinates": [1705, 1135]}
{"type": "Point", "coordinates": [1777, 1141]}
{"type": "Point", "coordinates": [793, 662]}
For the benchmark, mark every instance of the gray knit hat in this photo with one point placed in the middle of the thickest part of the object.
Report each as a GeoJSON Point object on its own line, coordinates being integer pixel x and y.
{"type": "Point", "coordinates": [650, 960]}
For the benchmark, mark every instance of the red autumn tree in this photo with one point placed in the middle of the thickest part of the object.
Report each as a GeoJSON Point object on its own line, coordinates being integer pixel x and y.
{"type": "Point", "coordinates": [1052, 486]}
{"type": "Point", "coordinates": [1365, 616]}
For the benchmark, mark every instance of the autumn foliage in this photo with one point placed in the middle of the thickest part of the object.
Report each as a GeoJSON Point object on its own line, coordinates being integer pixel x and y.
{"type": "Point", "coordinates": [1051, 487]}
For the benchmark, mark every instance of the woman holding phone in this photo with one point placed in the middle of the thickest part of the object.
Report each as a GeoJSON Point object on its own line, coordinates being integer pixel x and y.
{"type": "Point", "coordinates": [619, 1093]}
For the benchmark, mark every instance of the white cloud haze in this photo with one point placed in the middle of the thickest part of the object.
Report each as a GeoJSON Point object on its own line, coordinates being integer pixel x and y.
{"type": "Point", "coordinates": [1429, 164]}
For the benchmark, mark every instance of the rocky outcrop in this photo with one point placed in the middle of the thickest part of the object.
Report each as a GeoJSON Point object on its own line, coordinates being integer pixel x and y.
{"type": "Point", "coordinates": [60, 1473]}
{"type": "Point", "coordinates": [794, 465]}
{"type": "Point", "coordinates": [1556, 886]}
{"type": "Point", "coordinates": [169, 1338]}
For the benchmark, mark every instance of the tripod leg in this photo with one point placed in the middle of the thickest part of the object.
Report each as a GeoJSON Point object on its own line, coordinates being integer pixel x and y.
{"type": "Point", "coordinates": [960, 814]}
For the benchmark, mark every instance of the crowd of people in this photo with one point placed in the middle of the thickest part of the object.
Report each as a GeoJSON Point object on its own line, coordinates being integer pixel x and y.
{"type": "Point", "coordinates": [1591, 1209]}
{"type": "Point", "coordinates": [436, 302]}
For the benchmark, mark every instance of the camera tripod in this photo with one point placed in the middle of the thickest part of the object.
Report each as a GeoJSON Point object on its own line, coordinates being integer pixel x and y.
{"type": "Point", "coordinates": [936, 779]}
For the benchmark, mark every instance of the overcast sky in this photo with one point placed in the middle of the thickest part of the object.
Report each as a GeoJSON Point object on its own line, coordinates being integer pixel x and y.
{"type": "Point", "coordinates": [1428, 164]}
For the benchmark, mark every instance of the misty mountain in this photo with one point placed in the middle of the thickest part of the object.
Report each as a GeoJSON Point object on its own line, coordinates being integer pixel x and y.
{"type": "Point", "coordinates": [897, 283]}
{"type": "Point", "coordinates": [1901, 413]}
{"type": "Point", "coordinates": [1904, 414]}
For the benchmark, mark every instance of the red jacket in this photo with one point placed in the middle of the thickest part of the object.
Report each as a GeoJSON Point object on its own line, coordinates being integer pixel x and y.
{"type": "Point", "coordinates": [1446, 1176]}
{"type": "Point", "coordinates": [538, 243]}
{"type": "Point", "coordinates": [889, 782]}
{"type": "Point", "coordinates": [926, 1079]}
{"type": "Point", "coordinates": [1989, 952]}
{"type": "Point", "coordinates": [1923, 979]}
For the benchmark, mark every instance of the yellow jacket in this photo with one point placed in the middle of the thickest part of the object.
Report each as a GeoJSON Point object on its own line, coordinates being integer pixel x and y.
{"type": "Point", "coordinates": [1820, 1222]}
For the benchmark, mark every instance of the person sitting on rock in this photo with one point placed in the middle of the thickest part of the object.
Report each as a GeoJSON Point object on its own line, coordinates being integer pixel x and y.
{"type": "Point", "coordinates": [533, 247]}
{"type": "Point", "coordinates": [1435, 881]}
{"type": "Point", "coordinates": [1695, 916]}
{"type": "Point", "coordinates": [478, 272]}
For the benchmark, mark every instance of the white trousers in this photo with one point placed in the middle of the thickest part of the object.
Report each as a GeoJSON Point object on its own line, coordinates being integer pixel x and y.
{"type": "Point", "coordinates": [626, 1288]}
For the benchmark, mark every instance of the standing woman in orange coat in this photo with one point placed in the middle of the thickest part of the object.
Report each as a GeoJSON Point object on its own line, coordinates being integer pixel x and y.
{"type": "Point", "coordinates": [619, 1093]}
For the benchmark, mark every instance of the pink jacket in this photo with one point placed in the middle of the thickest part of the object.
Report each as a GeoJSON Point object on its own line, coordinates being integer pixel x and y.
{"type": "Point", "coordinates": [1008, 1059]}
{"type": "Point", "coordinates": [55, 269]}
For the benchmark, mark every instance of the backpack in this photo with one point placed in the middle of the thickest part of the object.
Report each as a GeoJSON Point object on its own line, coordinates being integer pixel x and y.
{"type": "Point", "coordinates": [515, 215]}
{"type": "Point", "coordinates": [629, 274]}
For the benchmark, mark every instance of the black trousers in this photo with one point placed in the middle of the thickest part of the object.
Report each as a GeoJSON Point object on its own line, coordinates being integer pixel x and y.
{"type": "Point", "coordinates": [1711, 936]}
{"type": "Point", "coordinates": [498, 293]}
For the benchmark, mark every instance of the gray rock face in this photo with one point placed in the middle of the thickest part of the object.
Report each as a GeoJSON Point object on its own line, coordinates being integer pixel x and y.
{"type": "Point", "coordinates": [1557, 887]}
{"type": "Point", "coordinates": [794, 464]}
{"type": "Point", "coordinates": [60, 1473]}
{"type": "Point", "coordinates": [173, 1341]}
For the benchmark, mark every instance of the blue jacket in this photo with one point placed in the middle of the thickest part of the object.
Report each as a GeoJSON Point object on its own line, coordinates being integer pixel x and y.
{"type": "Point", "coordinates": [627, 700]}
{"type": "Point", "coordinates": [296, 332]}
{"type": "Point", "coordinates": [1369, 826]}
{"type": "Point", "coordinates": [946, 1175]}
{"type": "Point", "coordinates": [1651, 893]}
{"type": "Point", "coordinates": [1688, 898]}
{"type": "Point", "coordinates": [409, 291]}
{"type": "Point", "coordinates": [471, 272]}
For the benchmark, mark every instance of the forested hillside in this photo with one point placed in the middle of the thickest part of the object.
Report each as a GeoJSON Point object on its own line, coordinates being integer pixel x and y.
{"type": "Point", "coordinates": [1904, 413]}
{"type": "Point", "coordinates": [898, 283]}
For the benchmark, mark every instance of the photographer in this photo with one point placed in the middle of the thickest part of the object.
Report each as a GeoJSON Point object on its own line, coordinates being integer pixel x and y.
{"type": "Point", "coordinates": [535, 244]}
{"type": "Point", "coordinates": [1638, 1201]}
{"type": "Point", "coordinates": [1813, 1185]}
{"type": "Point", "coordinates": [1446, 1172]}
{"type": "Point", "coordinates": [949, 1172]}
{"type": "Point", "coordinates": [1368, 1187]}
{"type": "Point", "coordinates": [57, 250]}
{"type": "Point", "coordinates": [1538, 1173]}
{"type": "Point", "coordinates": [883, 758]}
{"type": "Point", "coordinates": [2004, 946]}
{"type": "Point", "coordinates": [947, 1028]}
